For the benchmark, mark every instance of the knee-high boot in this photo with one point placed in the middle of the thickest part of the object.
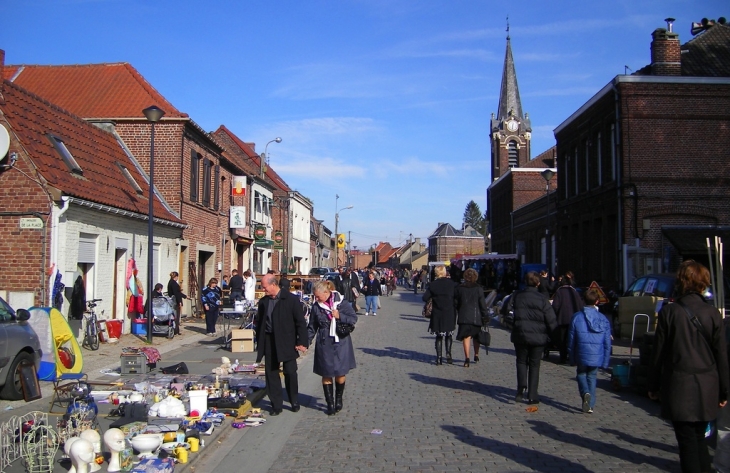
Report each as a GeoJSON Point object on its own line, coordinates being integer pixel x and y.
{"type": "Point", "coordinates": [439, 349]}
{"type": "Point", "coordinates": [449, 341]}
{"type": "Point", "coordinates": [339, 391]}
{"type": "Point", "coordinates": [329, 397]}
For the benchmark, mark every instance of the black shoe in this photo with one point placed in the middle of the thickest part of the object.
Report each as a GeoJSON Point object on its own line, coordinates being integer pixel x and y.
{"type": "Point", "coordinates": [275, 412]}
{"type": "Point", "coordinates": [466, 363]}
{"type": "Point", "coordinates": [295, 407]}
{"type": "Point", "coordinates": [329, 397]}
{"type": "Point", "coordinates": [476, 358]}
{"type": "Point", "coordinates": [438, 361]}
{"type": "Point", "coordinates": [533, 401]}
{"type": "Point", "coordinates": [520, 395]}
{"type": "Point", "coordinates": [339, 391]}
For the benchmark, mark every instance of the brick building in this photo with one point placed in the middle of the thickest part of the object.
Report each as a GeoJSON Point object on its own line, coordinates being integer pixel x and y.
{"type": "Point", "coordinates": [643, 165]}
{"type": "Point", "coordinates": [446, 242]}
{"type": "Point", "coordinates": [75, 203]}
{"type": "Point", "coordinates": [191, 174]}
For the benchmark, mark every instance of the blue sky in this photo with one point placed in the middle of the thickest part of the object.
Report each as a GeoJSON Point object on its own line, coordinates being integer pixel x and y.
{"type": "Point", "coordinates": [383, 102]}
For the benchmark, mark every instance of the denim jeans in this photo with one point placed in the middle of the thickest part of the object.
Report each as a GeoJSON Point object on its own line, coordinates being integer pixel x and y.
{"type": "Point", "coordinates": [586, 376]}
{"type": "Point", "coordinates": [371, 303]}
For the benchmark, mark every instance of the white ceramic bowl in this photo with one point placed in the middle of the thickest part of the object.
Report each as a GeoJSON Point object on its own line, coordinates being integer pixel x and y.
{"type": "Point", "coordinates": [145, 444]}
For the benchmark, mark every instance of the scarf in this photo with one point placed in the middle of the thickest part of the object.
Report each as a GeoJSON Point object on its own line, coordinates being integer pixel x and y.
{"type": "Point", "coordinates": [328, 306]}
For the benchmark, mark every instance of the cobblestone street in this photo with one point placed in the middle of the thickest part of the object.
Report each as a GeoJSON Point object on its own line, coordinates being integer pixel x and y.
{"type": "Point", "coordinates": [451, 418]}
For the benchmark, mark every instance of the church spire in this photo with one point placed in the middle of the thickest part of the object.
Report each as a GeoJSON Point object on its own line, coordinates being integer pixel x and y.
{"type": "Point", "coordinates": [509, 94]}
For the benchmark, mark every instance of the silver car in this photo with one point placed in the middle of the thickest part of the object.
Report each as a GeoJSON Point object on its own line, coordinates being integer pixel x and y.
{"type": "Point", "coordinates": [18, 344]}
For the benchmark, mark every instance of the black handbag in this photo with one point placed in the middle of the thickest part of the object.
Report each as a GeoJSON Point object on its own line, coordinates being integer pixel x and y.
{"type": "Point", "coordinates": [344, 329]}
{"type": "Point", "coordinates": [485, 338]}
{"type": "Point", "coordinates": [427, 309]}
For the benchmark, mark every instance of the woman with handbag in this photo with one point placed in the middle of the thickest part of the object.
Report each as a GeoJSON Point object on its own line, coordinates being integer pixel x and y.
{"type": "Point", "coordinates": [689, 365]}
{"type": "Point", "coordinates": [331, 321]}
{"type": "Point", "coordinates": [443, 318]}
{"type": "Point", "coordinates": [472, 309]}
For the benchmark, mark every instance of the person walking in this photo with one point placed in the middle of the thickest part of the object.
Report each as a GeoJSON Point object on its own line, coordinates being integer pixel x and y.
{"type": "Point", "coordinates": [472, 310]}
{"type": "Point", "coordinates": [174, 291]}
{"type": "Point", "coordinates": [371, 289]}
{"type": "Point", "coordinates": [689, 365]}
{"type": "Point", "coordinates": [589, 348]}
{"type": "Point", "coordinates": [281, 333]}
{"type": "Point", "coordinates": [211, 299]}
{"type": "Point", "coordinates": [235, 284]}
{"type": "Point", "coordinates": [534, 321]}
{"type": "Point", "coordinates": [566, 302]}
{"type": "Point", "coordinates": [547, 284]}
{"type": "Point", "coordinates": [350, 288]}
{"type": "Point", "coordinates": [334, 356]}
{"type": "Point", "coordinates": [249, 285]}
{"type": "Point", "coordinates": [441, 293]}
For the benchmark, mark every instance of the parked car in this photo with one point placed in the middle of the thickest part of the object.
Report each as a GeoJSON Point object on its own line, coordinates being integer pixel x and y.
{"type": "Point", "coordinates": [18, 344]}
{"type": "Point", "coordinates": [320, 271]}
{"type": "Point", "coordinates": [332, 275]}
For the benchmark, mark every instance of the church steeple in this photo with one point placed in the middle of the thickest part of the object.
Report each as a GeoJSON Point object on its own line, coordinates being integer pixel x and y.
{"type": "Point", "coordinates": [511, 130]}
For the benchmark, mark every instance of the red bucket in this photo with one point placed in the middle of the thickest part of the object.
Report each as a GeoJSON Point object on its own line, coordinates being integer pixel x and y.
{"type": "Point", "coordinates": [114, 328]}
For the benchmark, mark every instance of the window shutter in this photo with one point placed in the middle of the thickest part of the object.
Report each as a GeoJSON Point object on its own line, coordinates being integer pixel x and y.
{"type": "Point", "coordinates": [216, 188]}
{"type": "Point", "coordinates": [194, 168]}
{"type": "Point", "coordinates": [87, 249]}
{"type": "Point", "coordinates": [206, 182]}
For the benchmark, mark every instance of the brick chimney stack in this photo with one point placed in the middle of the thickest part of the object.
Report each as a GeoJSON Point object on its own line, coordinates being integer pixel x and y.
{"type": "Point", "coordinates": [666, 56]}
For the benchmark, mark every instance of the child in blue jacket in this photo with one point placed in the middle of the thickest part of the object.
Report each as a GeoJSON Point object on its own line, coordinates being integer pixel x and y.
{"type": "Point", "coordinates": [589, 348]}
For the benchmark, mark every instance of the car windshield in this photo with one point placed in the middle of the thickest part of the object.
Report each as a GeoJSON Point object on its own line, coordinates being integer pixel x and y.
{"type": "Point", "coordinates": [7, 313]}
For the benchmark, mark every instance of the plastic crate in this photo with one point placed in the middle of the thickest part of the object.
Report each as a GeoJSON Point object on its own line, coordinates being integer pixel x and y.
{"type": "Point", "coordinates": [134, 364]}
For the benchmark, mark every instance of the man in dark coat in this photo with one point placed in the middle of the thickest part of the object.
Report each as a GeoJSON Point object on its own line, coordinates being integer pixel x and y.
{"type": "Point", "coordinates": [281, 332]}
{"type": "Point", "coordinates": [235, 284]}
{"type": "Point", "coordinates": [566, 302]}
{"type": "Point", "coordinates": [533, 323]}
{"type": "Point", "coordinates": [349, 282]}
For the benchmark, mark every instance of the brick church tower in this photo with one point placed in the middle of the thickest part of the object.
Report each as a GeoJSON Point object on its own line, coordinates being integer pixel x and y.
{"type": "Point", "coordinates": [510, 129]}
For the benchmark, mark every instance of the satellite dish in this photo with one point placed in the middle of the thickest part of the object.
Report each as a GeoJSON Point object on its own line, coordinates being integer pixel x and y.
{"type": "Point", "coordinates": [4, 141]}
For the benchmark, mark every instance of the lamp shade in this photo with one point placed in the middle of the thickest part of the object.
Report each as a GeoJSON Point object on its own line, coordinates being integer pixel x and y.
{"type": "Point", "coordinates": [547, 174]}
{"type": "Point", "coordinates": [153, 113]}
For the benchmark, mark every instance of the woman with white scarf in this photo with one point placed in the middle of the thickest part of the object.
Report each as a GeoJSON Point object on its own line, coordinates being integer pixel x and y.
{"type": "Point", "coordinates": [334, 356]}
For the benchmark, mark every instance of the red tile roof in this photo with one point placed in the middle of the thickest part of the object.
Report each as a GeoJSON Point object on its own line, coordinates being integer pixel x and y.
{"type": "Point", "coordinates": [255, 158]}
{"type": "Point", "coordinates": [93, 90]}
{"type": "Point", "coordinates": [96, 151]}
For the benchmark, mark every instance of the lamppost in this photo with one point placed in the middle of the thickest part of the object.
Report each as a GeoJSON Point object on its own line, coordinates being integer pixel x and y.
{"type": "Point", "coordinates": [153, 115]}
{"type": "Point", "coordinates": [265, 156]}
{"type": "Point", "coordinates": [410, 251]}
{"type": "Point", "coordinates": [547, 174]}
{"type": "Point", "coordinates": [337, 235]}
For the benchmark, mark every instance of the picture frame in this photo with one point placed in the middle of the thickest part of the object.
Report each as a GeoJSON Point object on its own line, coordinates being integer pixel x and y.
{"type": "Point", "coordinates": [29, 382]}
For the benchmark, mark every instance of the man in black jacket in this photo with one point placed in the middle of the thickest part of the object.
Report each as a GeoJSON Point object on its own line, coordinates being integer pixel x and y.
{"type": "Point", "coordinates": [281, 333]}
{"type": "Point", "coordinates": [348, 282]}
{"type": "Point", "coordinates": [236, 285]}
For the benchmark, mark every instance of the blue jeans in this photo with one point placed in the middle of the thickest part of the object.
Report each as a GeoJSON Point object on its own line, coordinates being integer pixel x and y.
{"type": "Point", "coordinates": [371, 304]}
{"type": "Point", "coordinates": [586, 376]}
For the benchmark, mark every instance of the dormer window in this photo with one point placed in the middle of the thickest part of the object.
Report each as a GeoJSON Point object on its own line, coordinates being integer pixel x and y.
{"type": "Point", "coordinates": [66, 155]}
{"type": "Point", "coordinates": [130, 179]}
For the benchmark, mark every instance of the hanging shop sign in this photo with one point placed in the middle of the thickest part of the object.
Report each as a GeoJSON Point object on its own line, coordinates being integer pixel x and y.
{"type": "Point", "coordinates": [278, 240]}
{"type": "Point", "coordinates": [259, 232]}
{"type": "Point", "coordinates": [238, 217]}
{"type": "Point", "coordinates": [238, 186]}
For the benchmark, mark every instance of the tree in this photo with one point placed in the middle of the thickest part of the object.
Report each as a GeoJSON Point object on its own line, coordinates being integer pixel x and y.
{"type": "Point", "coordinates": [474, 218]}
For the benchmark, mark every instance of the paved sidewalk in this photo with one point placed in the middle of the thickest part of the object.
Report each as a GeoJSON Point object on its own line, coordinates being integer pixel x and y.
{"type": "Point", "coordinates": [451, 418]}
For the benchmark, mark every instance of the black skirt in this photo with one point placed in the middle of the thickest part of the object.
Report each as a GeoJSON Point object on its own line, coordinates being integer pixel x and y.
{"type": "Point", "coordinates": [468, 330]}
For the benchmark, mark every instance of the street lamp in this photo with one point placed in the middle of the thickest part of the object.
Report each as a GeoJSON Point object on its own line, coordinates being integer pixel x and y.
{"type": "Point", "coordinates": [547, 174]}
{"type": "Point", "coordinates": [337, 235]}
{"type": "Point", "coordinates": [265, 156]}
{"type": "Point", "coordinates": [410, 251]}
{"type": "Point", "coordinates": [153, 115]}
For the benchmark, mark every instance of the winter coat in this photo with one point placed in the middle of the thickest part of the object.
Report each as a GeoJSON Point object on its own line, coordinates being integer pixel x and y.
{"type": "Point", "coordinates": [249, 288]}
{"type": "Point", "coordinates": [589, 339]}
{"type": "Point", "coordinates": [690, 374]}
{"type": "Point", "coordinates": [443, 317]}
{"type": "Point", "coordinates": [331, 358]}
{"type": "Point", "coordinates": [534, 318]}
{"type": "Point", "coordinates": [566, 302]}
{"type": "Point", "coordinates": [78, 299]}
{"type": "Point", "coordinates": [173, 290]}
{"type": "Point", "coordinates": [546, 287]}
{"type": "Point", "coordinates": [347, 284]}
{"type": "Point", "coordinates": [470, 304]}
{"type": "Point", "coordinates": [288, 325]}
{"type": "Point", "coordinates": [371, 288]}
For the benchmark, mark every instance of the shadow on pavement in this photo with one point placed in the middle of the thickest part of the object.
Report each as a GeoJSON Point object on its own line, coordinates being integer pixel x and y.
{"type": "Point", "coordinates": [533, 459]}
{"type": "Point", "coordinates": [605, 448]}
{"type": "Point", "coordinates": [400, 353]}
{"type": "Point", "coordinates": [639, 441]}
{"type": "Point", "coordinates": [417, 318]}
{"type": "Point", "coordinates": [498, 393]}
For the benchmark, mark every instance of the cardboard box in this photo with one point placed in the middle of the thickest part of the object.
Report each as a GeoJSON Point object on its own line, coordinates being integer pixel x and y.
{"type": "Point", "coordinates": [242, 334]}
{"type": "Point", "coordinates": [241, 346]}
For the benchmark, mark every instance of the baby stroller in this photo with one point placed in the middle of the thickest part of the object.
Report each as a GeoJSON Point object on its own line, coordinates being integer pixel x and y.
{"type": "Point", "coordinates": [163, 316]}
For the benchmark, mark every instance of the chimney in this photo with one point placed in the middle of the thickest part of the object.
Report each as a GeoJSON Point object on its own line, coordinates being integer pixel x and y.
{"type": "Point", "coordinates": [666, 57]}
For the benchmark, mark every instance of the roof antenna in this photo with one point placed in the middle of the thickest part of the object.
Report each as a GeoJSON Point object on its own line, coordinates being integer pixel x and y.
{"type": "Point", "coordinates": [507, 27]}
{"type": "Point", "coordinates": [626, 69]}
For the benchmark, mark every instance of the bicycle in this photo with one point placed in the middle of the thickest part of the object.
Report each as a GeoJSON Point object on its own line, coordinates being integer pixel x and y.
{"type": "Point", "coordinates": [91, 332]}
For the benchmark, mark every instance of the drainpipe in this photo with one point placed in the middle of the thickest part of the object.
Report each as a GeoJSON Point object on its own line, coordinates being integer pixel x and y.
{"type": "Point", "coordinates": [619, 187]}
{"type": "Point", "coordinates": [54, 235]}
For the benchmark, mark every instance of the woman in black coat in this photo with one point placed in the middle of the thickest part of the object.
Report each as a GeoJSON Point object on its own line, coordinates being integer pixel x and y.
{"type": "Point", "coordinates": [472, 310]}
{"type": "Point", "coordinates": [334, 356]}
{"type": "Point", "coordinates": [443, 318]}
{"type": "Point", "coordinates": [533, 323]}
{"type": "Point", "coordinates": [689, 366]}
{"type": "Point", "coordinates": [174, 291]}
{"type": "Point", "coordinates": [566, 302]}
